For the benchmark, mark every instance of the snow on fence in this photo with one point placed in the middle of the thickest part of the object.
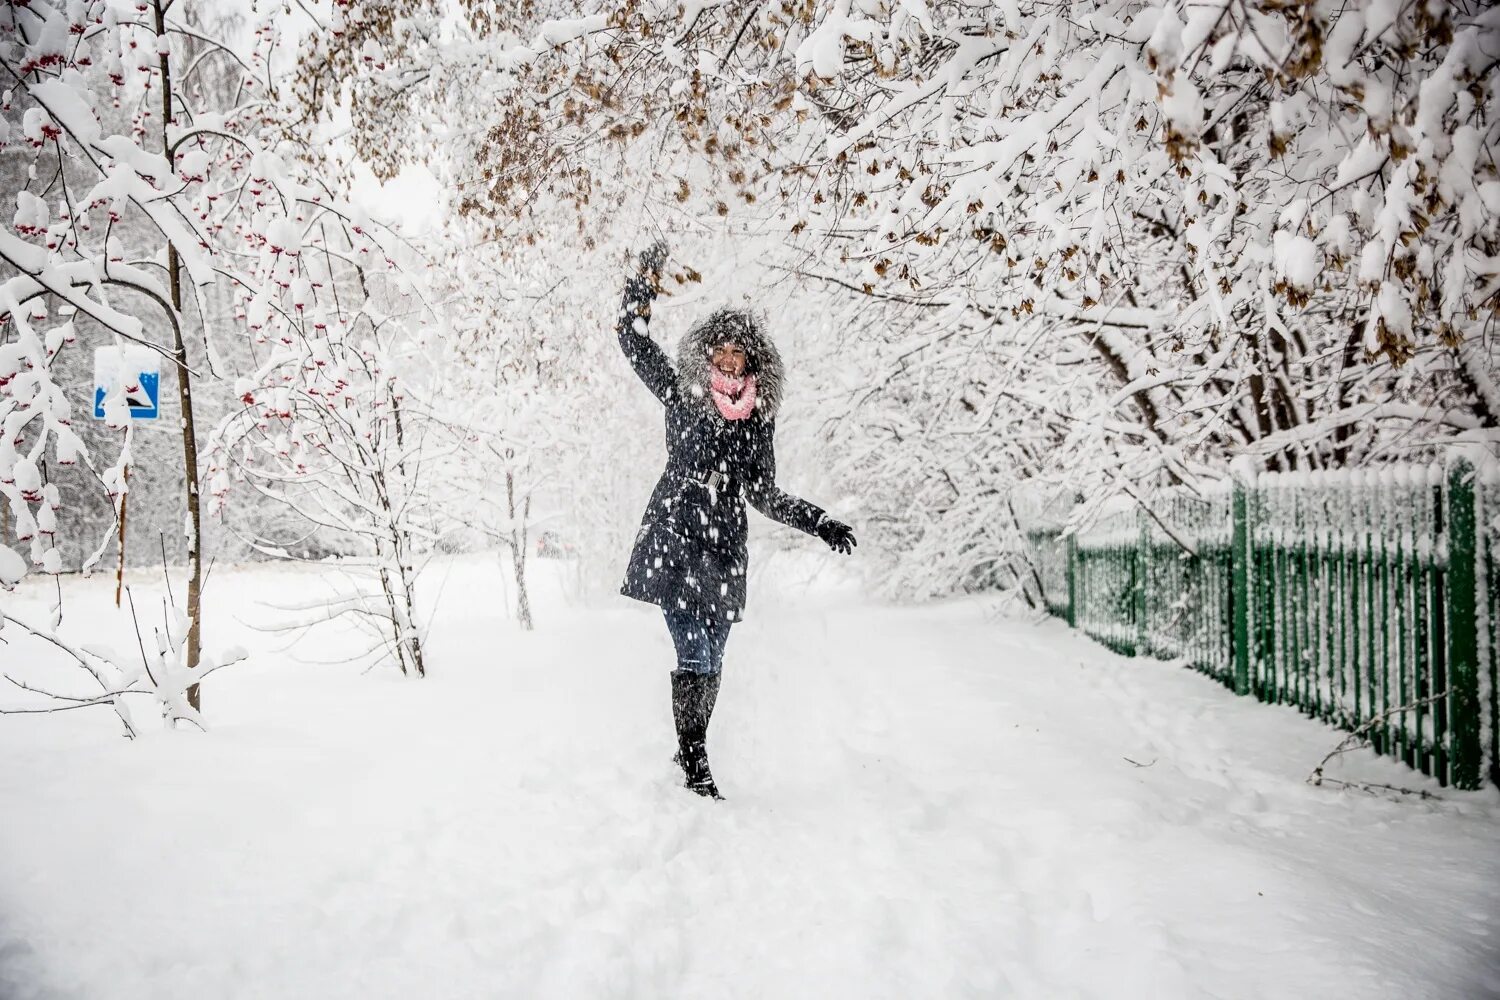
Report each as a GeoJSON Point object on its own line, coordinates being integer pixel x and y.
{"type": "Point", "coordinates": [1364, 598]}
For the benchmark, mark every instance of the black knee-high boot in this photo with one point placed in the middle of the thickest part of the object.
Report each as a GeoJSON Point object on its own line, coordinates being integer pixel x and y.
{"type": "Point", "coordinates": [693, 698]}
{"type": "Point", "coordinates": [681, 700]}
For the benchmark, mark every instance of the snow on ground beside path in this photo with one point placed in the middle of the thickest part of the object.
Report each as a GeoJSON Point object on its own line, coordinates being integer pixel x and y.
{"type": "Point", "coordinates": [925, 802]}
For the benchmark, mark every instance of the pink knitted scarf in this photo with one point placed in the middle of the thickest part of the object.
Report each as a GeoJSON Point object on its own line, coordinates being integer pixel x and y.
{"type": "Point", "coordinates": [735, 397]}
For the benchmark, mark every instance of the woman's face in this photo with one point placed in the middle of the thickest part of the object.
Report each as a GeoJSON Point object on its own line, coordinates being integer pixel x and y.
{"type": "Point", "coordinates": [730, 359]}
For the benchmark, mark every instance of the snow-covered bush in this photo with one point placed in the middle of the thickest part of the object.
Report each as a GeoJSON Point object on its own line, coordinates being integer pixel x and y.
{"type": "Point", "coordinates": [328, 431]}
{"type": "Point", "coordinates": [157, 669]}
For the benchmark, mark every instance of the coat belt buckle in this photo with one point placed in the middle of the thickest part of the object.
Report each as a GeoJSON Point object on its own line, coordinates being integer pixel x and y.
{"type": "Point", "coordinates": [715, 481]}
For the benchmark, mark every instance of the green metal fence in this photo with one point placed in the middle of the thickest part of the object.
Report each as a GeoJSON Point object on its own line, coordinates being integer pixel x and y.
{"type": "Point", "coordinates": [1362, 598]}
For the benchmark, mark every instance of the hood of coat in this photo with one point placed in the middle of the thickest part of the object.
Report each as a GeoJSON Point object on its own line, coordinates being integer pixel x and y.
{"type": "Point", "coordinates": [742, 328]}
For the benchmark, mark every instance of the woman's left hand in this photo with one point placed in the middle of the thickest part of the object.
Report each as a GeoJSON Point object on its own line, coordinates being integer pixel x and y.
{"type": "Point", "coordinates": [838, 535]}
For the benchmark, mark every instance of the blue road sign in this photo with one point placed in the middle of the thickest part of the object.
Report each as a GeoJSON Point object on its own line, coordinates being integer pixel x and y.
{"type": "Point", "coordinates": [132, 371]}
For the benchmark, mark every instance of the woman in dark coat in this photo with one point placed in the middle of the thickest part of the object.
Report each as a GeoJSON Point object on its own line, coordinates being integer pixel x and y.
{"type": "Point", "coordinates": [689, 556]}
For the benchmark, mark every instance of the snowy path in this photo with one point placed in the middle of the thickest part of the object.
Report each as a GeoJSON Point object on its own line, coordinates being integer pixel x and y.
{"type": "Point", "coordinates": [922, 803]}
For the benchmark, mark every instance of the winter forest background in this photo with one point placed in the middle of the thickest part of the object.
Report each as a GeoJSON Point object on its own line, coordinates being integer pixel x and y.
{"type": "Point", "coordinates": [1032, 266]}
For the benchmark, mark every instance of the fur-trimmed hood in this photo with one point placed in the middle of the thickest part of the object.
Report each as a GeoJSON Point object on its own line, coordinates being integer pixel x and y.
{"type": "Point", "coordinates": [723, 326]}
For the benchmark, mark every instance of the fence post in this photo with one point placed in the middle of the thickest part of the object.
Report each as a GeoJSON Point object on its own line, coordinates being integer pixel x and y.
{"type": "Point", "coordinates": [1463, 634]}
{"type": "Point", "coordinates": [1072, 556]}
{"type": "Point", "coordinates": [1239, 560]}
{"type": "Point", "coordinates": [1142, 581]}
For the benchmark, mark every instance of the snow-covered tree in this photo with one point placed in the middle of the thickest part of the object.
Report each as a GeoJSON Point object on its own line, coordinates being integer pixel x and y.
{"type": "Point", "coordinates": [1131, 240]}
{"type": "Point", "coordinates": [149, 181]}
{"type": "Point", "coordinates": [1107, 248]}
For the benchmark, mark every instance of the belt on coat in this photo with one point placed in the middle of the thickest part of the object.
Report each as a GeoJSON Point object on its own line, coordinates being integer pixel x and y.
{"type": "Point", "coordinates": [719, 482]}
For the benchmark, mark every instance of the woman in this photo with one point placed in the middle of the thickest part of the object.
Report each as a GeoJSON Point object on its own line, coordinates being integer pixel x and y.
{"type": "Point", "coordinates": [689, 556]}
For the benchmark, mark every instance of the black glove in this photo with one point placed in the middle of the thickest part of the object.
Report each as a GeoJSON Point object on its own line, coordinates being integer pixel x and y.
{"type": "Point", "coordinates": [838, 535]}
{"type": "Point", "coordinates": [641, 287]}
{"type": "Point", "coordinates": [653, 259]}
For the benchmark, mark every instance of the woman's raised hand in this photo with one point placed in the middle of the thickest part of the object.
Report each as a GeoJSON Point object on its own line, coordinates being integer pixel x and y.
{"type": "Point", "coordinates": [641, 287]}
{"type": "Point", "coordinates": [653, 259]}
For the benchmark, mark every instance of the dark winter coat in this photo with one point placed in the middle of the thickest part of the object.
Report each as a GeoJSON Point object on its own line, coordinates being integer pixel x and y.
{"type": "Point", "coordinates": [690, 551]}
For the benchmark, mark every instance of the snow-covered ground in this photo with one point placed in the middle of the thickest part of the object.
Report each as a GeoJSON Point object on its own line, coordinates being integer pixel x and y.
{"type": "Point", "coordinates": [922, 802]}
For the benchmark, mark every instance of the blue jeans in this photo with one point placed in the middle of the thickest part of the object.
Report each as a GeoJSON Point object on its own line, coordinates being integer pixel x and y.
{"type": "Point", "coordinates": [699, 644]}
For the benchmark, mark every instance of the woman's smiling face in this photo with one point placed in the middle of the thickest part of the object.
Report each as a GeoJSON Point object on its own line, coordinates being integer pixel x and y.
{"type": "Point", "coordinates": [729, 358]}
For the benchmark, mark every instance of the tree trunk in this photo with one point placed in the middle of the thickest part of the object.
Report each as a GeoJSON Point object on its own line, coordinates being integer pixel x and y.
{"type": "Point", "coordinates": [120, 566]}
{"type": "Point", "coordinates": [403, 617]}
{"type": "Point", "coordinates": [411, 635]}
{"type": "Point", "coordinates": [184, 397]}
{"type": "Point", "coordinates": [518, 550]}
{"type": "Point", "coordinates": [390, 603]}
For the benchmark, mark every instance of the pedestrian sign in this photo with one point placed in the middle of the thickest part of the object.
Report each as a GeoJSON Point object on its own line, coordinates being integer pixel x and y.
{"type": "Point", "coordinates": [127, 383]}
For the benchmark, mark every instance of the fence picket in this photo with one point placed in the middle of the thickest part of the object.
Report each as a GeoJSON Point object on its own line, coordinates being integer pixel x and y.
{"type": "Point", "coordinates": [1463, 644]}
{"type": "Point", "coordinates": [1240, 567]}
